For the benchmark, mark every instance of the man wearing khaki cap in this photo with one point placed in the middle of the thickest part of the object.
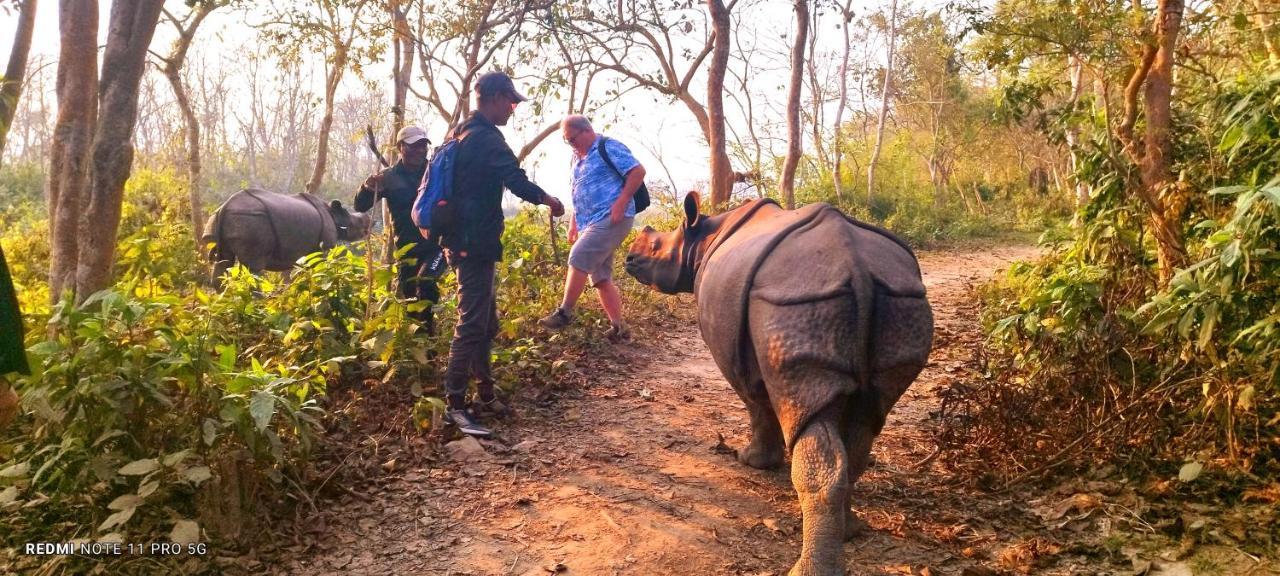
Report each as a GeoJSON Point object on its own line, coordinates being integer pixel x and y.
{"type": "Point", "coordinates": [421, 266]}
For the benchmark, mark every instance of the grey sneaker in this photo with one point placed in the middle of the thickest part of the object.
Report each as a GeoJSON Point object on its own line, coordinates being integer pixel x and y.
{"type": "Point", "coordinates": [557, 320]}
{"type": "Point", "coordinates": [466, 423]}
{"type": "Point", "coordinates": [618, 333]}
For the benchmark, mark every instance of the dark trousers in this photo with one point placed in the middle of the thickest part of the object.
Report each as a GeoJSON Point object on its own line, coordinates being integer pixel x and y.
{"type": "Point", "coordinates": [477, 326]}
{"type": "Point", "coordinates": [416, 285]}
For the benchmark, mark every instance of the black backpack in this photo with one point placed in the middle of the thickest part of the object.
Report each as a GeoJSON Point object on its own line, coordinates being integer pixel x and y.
{"type": "Point", "coordinates": [641, 197]}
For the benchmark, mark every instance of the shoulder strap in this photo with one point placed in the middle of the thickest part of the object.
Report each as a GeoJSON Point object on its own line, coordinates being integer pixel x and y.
{"type": "Point", "coordinates": [458, 132]}
{"type": "Point", "coordinates": [604, 155]}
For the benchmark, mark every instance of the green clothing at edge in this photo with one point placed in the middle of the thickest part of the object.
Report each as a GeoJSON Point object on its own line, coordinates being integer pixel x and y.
{"type": "Point", "coordinates": [13, 355]}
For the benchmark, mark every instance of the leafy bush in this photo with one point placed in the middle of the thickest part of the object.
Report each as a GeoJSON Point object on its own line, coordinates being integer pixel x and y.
{"type": "Point", "coordinates": [1039, 404]}
{"type": "Point", "coordinates": [1225, 311]}
{"type": "Point", "coordinates": [163, 410]}
{"type": "Point", "coordinates": [156, 410]}
{"type": "Point", "coordinates": [1089, 360]}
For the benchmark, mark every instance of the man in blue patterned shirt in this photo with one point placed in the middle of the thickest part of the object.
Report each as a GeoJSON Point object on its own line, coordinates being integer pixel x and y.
{"type": "Point", "coordinates": [605, 177]}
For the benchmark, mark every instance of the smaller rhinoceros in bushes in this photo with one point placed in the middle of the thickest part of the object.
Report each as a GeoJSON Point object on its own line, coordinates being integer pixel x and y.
{"type": "Point", "coordinates": [270, 231]}
{"type": "Point", "coordinates": [819, 322]}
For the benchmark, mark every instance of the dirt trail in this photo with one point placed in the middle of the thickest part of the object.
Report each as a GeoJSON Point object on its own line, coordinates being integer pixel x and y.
{"type": "Point", "coordinates": [627, 476]}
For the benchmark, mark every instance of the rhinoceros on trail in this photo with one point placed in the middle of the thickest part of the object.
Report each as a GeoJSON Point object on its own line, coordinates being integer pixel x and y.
{"type": "Point", "coordinates": [819, 322]}
{"type": "Point", "coordinates": [270, 231]}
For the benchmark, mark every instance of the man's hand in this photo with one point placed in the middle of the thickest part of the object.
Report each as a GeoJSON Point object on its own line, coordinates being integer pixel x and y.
{"type": "Point", "coordinates": [557, 209]}
{"type": "Point", "coordinates": [374, 183]}
{"type": "Point", "coordinates": [617, 212]}
{"type": "Point", "coordinates": [573, 231]}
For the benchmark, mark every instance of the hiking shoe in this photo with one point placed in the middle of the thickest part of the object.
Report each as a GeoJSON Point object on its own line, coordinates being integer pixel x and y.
{"type": "Point", "coordinates": [466, 423]}
{"type": "Point", "coordinates": [557, 320]}
{"type": "Point", "coordinates": [494, 408]}
{"type": "Point", "coordinates": [618, 333]}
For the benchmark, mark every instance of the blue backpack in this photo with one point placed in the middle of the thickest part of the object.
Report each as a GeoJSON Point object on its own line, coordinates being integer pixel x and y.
{"type": "Point", "coordinates": [433, 209]}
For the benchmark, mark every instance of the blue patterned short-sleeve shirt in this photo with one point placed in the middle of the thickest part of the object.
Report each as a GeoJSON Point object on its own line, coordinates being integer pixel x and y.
{"type": "Point", "coordinates": [596, 186]}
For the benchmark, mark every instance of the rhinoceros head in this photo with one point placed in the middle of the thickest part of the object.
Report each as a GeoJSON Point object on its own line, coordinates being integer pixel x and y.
{"type": "Point", "coordinates": [665, 260]}
{"type": "Point", "coordinates": [351, 225]}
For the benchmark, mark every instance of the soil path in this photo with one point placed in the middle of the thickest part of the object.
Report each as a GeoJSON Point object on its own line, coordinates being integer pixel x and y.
{"type": "Point", "coordinates": [628, 475]}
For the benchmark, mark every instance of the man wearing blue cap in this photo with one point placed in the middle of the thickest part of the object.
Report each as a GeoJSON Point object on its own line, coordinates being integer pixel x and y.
{"type": "Point", "coordinates": [484, 165]}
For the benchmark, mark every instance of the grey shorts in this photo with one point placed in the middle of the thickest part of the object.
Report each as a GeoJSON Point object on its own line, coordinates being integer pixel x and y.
{"type": "Point", "coordinates": [593, 252]}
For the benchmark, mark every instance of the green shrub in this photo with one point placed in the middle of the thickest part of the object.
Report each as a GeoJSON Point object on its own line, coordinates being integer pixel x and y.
{"type": "Point", "coordinates": [154, 407]}
{"type": "Point", "coordinates": [1089, 360]}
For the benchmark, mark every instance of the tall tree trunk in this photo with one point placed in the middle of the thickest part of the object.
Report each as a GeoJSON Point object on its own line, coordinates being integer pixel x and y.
{"type": "Point", "coordinates": [885, 97]}
{"type": "Point", "coordinates": [195, 189]}
{"type": "Point", "coordinates": [1075, 66]}
{"type": "Point", "coordinates": [721, 171]}
{"type": "Point", "coordinates": [788, 180]}
{"type": "Point", "coordinates": [133, 23]}
{"type": "Point", "coordinates": [16, 71]}
{"type": "Point", "coordinates": [77, 90]}
{"type": "Point", "coordinates": [402, 71]}
{"type": "Point", "coordinates": [846, 14]}
{"type": "Point", "coordinates": [1162, 192]}
{"type": "Point", "coordinates": [172, 69]}
{"type": "Point", "coordinates": [332, 79]}
{"type": "Point", "coordinates": [1153, 77]}
{"type": "Point", "coordinates": [816, 95]}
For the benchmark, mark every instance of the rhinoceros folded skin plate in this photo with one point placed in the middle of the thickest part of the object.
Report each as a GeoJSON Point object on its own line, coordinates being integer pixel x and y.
{"type": "Point", "coordinates": [819, 323]}
{"type": "Point", "coordinates": [791, 260]}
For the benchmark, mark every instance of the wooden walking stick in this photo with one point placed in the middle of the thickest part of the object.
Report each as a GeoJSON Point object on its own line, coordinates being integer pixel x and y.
{"type": "Point", "coordinates": [555, 248]}
{"type": "Point", "coordinates": [388, 245]}
{"type": "Point", "coordinates": [377, 196]}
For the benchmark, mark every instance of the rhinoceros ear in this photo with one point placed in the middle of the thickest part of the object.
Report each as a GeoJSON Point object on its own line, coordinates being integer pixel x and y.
{"type": "Point", "coordinates": [691, 205]}
{"type": "Point", "coordinates": [335, 204]}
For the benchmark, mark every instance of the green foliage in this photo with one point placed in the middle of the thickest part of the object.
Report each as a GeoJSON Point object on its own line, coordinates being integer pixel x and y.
{"type": "Point", "coordinates": [160, 406]}
{"type": "Point", "coordinates": [1252, 126]}
{"type": "Point", "coordinates": [1225, 312]}
{"type": "Point", "coordinates": [146, 404]}
{"type": "Point", "coordinates": [21, 191]}
{"type": "Point", "coordinates": [977, 203]}
{"type": "Point", "coordinates": [1039, 398]}
{"type": "Point", "coordinates": [26, 250]}
{"type": "Point", "coordinates": [1182, 373]}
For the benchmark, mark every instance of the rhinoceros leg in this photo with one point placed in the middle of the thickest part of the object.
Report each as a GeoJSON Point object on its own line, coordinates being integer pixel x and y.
{"type": "Point", "coordinates": [819, 472]}
{"type": "Point", "coordinates": [219, 270]}
{"type": "Point", "coordinates": [857, 444]}
{"type": "Point", "coordinates": [766, 449]}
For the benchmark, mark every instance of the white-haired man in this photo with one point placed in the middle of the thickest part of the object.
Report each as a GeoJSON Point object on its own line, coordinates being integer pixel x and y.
{"type": "Point", "coordinates": [605, 179]}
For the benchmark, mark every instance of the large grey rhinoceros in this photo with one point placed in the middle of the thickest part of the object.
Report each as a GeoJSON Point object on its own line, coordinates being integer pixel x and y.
{"type": "Point", "coordinates": [819, 322]}
{"type": "Point", "coordinates": [269, 231]}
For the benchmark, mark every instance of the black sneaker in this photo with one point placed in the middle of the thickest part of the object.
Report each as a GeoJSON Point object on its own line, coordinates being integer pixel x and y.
{"type": "Point", "coordinates": [494, 408]}
{"type": "Point", "coordinates": [466, 423]}
{"type": "Point", "coordinates": [557, 320]}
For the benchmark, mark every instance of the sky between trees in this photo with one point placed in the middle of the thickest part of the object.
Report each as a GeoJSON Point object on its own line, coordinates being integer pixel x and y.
{"type": "Point", "coordinates": [660, 131]}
